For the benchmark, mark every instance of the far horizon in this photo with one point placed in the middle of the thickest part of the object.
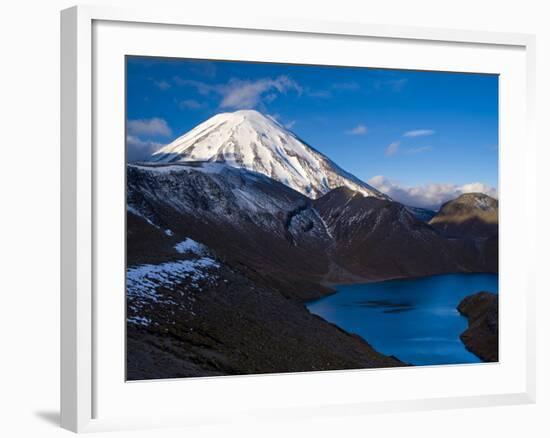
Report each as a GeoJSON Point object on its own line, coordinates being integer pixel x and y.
{"type": "Point", "coordinates": [423, 138]}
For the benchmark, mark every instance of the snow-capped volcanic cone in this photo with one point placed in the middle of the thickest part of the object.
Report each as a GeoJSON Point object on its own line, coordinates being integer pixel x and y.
{"type": "Point", "coordinates": [250, 140]}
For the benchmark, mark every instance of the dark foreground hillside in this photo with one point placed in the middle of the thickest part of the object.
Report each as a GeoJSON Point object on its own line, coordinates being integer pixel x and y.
{"type": "Point", "coordinates": [221, 261]}
{"type": "Point", "coordinates": [232, 326]}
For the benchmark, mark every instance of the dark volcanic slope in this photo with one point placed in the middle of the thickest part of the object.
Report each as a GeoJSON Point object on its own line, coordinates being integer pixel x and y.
{"type": "Point", "coordinates": [251, 221]}
{"type": "Point", "coordinates": [231, 326]}
{"type": "Point", "coordinates": [472, 215]}
{"type": "Point", "coordinates": [380, 239]}
{"type": "Point", "coordinates": [481, 337]}
{"type": "Point", "coordinates": [219, 260]}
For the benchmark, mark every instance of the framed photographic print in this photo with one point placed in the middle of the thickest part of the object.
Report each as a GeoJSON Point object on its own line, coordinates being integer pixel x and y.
{"type": "Point", "coordinates": [332, 218]}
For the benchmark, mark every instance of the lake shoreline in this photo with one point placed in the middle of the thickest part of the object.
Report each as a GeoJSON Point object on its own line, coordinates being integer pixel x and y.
{"type": "Point", "coordinates": [481, 336]}
{"type": "Point", "coordinates": [333, 285]}
{"type": "Point", "coordinates": [401, 277]}
{"type": "Point", "coordinates": [369, 313]}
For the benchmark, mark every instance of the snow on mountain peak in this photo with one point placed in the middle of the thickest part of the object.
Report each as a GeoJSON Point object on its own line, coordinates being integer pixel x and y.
{"type": "Point", "coordinates": [250, 140]}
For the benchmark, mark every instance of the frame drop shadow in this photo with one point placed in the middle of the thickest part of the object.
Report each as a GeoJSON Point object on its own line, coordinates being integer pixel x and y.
{"type": "Point", "coordinates": [51, 417]}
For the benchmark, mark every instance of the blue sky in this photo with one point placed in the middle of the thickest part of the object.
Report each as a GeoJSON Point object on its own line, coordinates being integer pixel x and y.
{"type": "Point", "coordinates": [408, 131]}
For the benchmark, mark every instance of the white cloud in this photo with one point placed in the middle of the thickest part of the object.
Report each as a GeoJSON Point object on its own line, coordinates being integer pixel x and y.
{"type": "Point", "coordinates": [270, 97]}
{"type": "Point", "coordinates": [149, 127]}
{"type": "Point", "coordinates": [419, 133]}
{"type": "Point", "coordinates": [139, 133]}
{"type": "Point", "coordinates": [290, 125]}
{"type": "Point", "coordinates": [244, 94]}
{"type": "Point", "coordinates": [201, 87]}
{"type": "Point", "coordinates": [192, 104]}
{"type": "Point", "coordinates": [428, 195]}
{"type": "Point", "coordinates": [162, 84]}
{"type": "Point", "coordinates": [135, 141]}
{"type": "Point", "coordinates": [239, 94]}
{"type": "Point", "coordinates": [139, 149]}
{"type": "Point", "coordinates": [392, 149]}
{"type": "Point", "coordinates": [360, 129]}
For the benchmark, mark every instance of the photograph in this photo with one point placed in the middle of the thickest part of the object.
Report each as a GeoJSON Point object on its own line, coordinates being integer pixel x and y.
{"type": "Point", "coordinates": [285, 218]}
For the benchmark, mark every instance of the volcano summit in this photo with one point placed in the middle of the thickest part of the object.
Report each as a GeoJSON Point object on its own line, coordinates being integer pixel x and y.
{"type": "Point", "coordinates": [250, 140]}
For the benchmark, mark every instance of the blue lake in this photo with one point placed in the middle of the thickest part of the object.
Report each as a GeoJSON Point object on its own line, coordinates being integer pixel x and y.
{"type": "Point", "coordinates": [415, 319]}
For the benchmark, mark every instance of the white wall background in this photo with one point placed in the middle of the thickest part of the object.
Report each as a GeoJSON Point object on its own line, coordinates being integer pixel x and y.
{"type": "Point", "coordinates": [29, 218]}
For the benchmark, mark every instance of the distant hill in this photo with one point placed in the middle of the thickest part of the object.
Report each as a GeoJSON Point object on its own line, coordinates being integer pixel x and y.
{"type": "Point", "coordinates": [470, 215]}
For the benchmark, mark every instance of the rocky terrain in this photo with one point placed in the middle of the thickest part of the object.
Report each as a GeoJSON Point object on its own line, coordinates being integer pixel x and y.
{"type": "Point", "coordinates": [250, 221]}
{"type": "Point", "coordinates": [223, 253]}
{"type": "Point", "coordinates": [481, 336]}
{"type": "Point", "coordinates": [378, 239]}
{"type": "Point", "coordinates": [223, 323]}
{"type": "Point", "coordinates": [219, 263]}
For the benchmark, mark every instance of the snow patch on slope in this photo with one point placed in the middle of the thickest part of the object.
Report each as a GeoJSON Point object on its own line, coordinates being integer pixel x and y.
{"type": "Point", "coordinates": [139, 320]}
{"type": "Point", "coordinates": [191, 246]}
{"type": "Point", "coordinates": [143, 281]}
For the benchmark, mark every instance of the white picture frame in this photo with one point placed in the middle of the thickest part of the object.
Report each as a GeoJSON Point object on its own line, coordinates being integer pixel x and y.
{"type": "Point", "coordinates": [82, 370]}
